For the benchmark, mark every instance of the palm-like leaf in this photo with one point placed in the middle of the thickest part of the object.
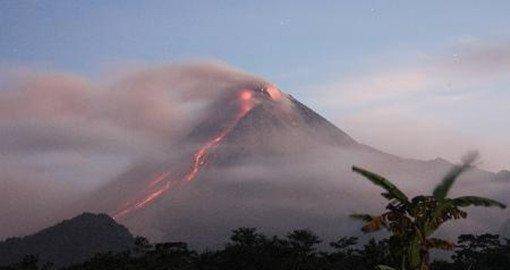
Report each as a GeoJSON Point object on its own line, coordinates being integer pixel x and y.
{"type": "Point", "coordinates": [466, 201]}
{"type": "Point", "coordinates": [384, 183]}
{"type": "Point", "coordinates": [414, 221]}
{"type": "Point", "coordinates": [362, 217]}
{"type": "Point", "coordinates": [374, 225]}
{"type": "Point", "coordinates": [441, 191]}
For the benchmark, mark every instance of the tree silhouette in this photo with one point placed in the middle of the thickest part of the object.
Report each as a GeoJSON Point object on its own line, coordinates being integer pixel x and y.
{"type": "Point", "coordinates": [297, 250]}
{"type": "Point", "coordinates": [413, 221]}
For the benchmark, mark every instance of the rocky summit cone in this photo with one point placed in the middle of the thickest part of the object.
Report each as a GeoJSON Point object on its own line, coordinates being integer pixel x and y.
{"type": "Point", "coordinates": [259, 157]}
{"type": "Point", "coordinates": [247, 125]}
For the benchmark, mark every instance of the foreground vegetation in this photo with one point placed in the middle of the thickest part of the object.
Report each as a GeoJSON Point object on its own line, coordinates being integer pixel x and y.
{"type": "Point", "coordinates": [412, 222]}
{"type": "Point", "coordinates": [249, 249]}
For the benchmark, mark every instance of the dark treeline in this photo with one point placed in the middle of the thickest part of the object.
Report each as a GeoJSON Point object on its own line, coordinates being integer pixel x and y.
{"type": "Point", "coordinates": [249, 249]}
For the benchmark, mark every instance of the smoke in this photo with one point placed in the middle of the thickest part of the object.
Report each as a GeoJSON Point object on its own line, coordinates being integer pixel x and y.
{"type": "Point", "coordinates": [315, 190]}
{"type": "Point", "coordinates": [66, 136]}
{"type": "Point", "coordinates": [442, 102]}
{"type": "Point", "coordinates": [63, 135]}
{"type": "Point", "coordinates": [44, 112]}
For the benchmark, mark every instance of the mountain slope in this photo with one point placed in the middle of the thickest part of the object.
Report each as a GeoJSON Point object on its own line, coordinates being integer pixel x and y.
{"type": "Point", "coordinates": [272, 129]}
{"type": "Point", "coordinates": [262, 158]}
{"type": "Point", "coordinates": [71, 241]}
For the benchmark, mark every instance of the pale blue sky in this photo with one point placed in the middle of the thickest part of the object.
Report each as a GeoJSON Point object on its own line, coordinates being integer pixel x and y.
{"type": "Point", "coordinates": [278, 40]}
{"type": "Point", "coordinates": [312, 49]}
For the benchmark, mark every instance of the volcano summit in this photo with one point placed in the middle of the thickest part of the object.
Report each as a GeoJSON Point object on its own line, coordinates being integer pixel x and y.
{"type": "Point", "coordinates": [252, 156]}
{"type": "Point", "coordinates": [245, 126]}
{"type": "Point", "coordinates": [259, 158]}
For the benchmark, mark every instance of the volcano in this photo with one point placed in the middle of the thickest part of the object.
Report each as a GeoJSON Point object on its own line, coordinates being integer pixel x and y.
{"type": "Point", "coordinates": [258, 158]}
{"type": "Point", "coordinates": [256, 123]}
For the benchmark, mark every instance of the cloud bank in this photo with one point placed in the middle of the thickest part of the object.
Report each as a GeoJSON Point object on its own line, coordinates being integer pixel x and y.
{"type": "Point", "coordinates": [62, 135]}
{"type": "Point", "coordinates": [429, 105]}
{"type": "Point", "coordinates": [65, 135]}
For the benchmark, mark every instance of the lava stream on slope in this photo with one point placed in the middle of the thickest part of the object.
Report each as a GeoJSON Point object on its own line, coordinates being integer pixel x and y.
{"type": "Point", "coordinates": [163, 183]}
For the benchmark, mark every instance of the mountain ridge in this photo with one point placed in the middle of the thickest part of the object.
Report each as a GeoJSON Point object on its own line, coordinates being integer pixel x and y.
{"type": "Point", "coordinates": [70, 241]}
{"type": "Point", "coordinates": [275, 141]}
{"type": "Point", "coordinates": [264, 161]}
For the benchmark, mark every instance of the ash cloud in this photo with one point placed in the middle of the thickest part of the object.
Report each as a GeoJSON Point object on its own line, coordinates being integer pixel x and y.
{"type": "Point", "coordinates": [66, 135]}
{"type": "Point", "coordinates": [443, 102]}
{"type": "Point", "coordinates": [315, 190]}
{"type": "Point", "coordinates": [63, 135]}
{"type": "Point", "coordinates": [152, 107]}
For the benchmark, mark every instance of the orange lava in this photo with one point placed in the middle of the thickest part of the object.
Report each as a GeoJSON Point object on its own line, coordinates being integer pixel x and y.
{"type": "Point", "coordinates": [246, 95]}
{"type": "Point", "coordinates": [274, 92]}
{"type": "Point", "coordinates": [158, 179]}
{"type": "Point", "coordinates": [155, 187]}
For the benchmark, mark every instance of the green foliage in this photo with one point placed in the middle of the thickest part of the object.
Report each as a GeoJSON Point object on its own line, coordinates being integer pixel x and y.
{"type": "Point", "coordinates": [393, 191]}
{"type": "Point", "coordinates": [362, 217]}
{"type": "Point", "coordinates": [411, 223]}
{"type": "Point", "coordinates": [249, 249]}
{"type": "Point", "coordinates": [441, 191]}
{"type": "Point", "coordinates": [466, 201]}
{"type": "Point", "coordinates": [478, 252]}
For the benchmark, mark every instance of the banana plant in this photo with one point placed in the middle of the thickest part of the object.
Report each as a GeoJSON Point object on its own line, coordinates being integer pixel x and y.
{"type": "Point", "coordinates": [413, 221]}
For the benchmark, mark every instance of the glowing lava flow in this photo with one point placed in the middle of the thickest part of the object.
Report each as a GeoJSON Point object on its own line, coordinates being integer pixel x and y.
{"type": "Point", "coordinates": [273, 92]}
{"type": "Point", "coordinates": [158, 189]}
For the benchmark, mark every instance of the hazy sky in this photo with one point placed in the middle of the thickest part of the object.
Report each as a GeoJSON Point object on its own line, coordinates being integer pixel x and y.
{"type": "Point", "coordinates": [415, 78]}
